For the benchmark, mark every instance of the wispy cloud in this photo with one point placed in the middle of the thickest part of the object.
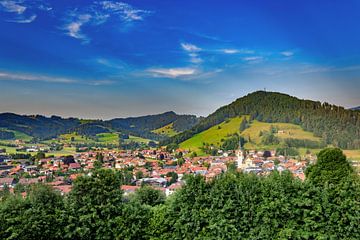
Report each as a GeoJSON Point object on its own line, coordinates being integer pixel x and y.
{"type": "Point", "coordinates": [23, 11]}
{"type": "Point", "coordinates": [99, 13]}
{"type": "Point", "coordinates": [32, 77]}
{"type": "Point", "coordinates": [192, 51]}
{"type": "Point", "coordinates": [190, 47]}
{"type": "Point", "coordinates": [12, 6]}
{"type": "Point", "coordinates": [73, 28]}
{"type": "Point", "coordinates": [172, 72]}
{"type": "Point", "coordinates": [253, 59]}
{"type": "Point", "coordinates": [24, 20]}
{"type": "Point", "coordinates": [287, 53]}
{"type": "Point", "coordinates": [10, 76]}
{"type": "Point", "coordinates": [183, 74]}
{"type": "Point", "coordinates": [230, 51]}
{"type": "Point", "coordinates": [124, 10]}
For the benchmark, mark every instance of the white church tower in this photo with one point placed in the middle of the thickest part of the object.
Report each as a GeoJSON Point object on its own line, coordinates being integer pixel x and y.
{"type": "Point", "coordinates": [240, 157]}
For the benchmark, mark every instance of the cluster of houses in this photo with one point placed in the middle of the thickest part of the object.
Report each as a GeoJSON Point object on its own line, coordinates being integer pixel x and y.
{"type": "Point", "coordinates": [157, 168]}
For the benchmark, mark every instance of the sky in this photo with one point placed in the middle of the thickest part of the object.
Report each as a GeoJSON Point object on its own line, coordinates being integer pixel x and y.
{"type": "Point", "coordinates": [106, 59]}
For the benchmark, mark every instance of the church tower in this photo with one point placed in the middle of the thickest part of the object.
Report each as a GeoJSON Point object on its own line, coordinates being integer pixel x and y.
{"type": "Point", "coordinates": [240, 156]}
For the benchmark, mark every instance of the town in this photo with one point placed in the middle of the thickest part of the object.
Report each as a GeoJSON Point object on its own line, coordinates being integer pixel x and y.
{"type": "Point", "coordinates": [163, 170]}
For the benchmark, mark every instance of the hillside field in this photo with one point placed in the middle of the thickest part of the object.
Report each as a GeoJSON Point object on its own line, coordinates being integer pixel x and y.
{"type": "Point", "coordinates": [215, 134]}
{"type": "Point", "coordinates": [167, 130]}
{"type": "Point", "coordinates": [285, 130]}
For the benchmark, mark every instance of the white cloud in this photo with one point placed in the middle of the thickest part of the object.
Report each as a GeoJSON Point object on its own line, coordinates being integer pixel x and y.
{"type": "Point", "coordinates": [73, 29]}
{"type": "Point", "coordinates": [190, 47]}
{"type": "Point", "coordinates": [99, 13]}
{"type": "Point", "coordinates": [9, 76]}
{"type": "Point", "coordinates": [24, 20]}
{"type": "Point", "coordinates": [13, 6]}
{"type": "Point", "coordinates": [253, 59]}
{"type": "Point", "coordinates": [287, 53]}
{"type": "Point", "coordinates": [172, 72]}
{"type": "Point", "coordinates": [126, 11]}
{"type": "Point", "coordinates": [23, 11]}
{"type": "Point", "coordinates": [230, 51]}
{"type": "Point", "coordinates": [31, 77]}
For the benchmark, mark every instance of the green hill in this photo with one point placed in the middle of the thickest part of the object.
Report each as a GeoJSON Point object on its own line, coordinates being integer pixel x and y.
{"type": "Point", "coordinates": [333, 124]}
{"type": "Point", "coordinates": [252, 134]}
{"type": "Point", "coordinates": [167, 130]}
{"type": "Point", "coordinates": [213, 136]}
{"type": "Point", "coordinates": [284, 131]}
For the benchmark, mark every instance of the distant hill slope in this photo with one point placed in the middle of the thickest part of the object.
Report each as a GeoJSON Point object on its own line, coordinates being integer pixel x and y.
{"type": "Point", "coordinates": [334, 124]}
{"type": "Point", "coordinates": [51, 127]}
{"type": "Point", "coordinates": [213, 136]}
{"type": "Point", "coordinates": [37, 126]}
{"type": "Point", "coordinates": [355, 108]}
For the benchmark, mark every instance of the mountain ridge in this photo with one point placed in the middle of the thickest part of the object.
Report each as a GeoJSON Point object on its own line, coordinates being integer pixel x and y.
{"type": "Point", "coordinates": [49, 127]}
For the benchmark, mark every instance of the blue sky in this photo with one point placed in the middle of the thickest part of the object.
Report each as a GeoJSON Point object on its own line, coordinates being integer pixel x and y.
{"type": "Point", "coordinates": [104, 59]}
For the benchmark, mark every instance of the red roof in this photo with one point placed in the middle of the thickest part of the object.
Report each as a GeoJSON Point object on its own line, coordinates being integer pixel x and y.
{"type": "Point", "coordinates": [74, 166]}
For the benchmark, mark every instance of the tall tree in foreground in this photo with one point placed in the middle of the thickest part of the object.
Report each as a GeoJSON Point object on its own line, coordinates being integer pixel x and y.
{"type": "Point", "coordinates": [92, 206]}
{"type": "Point", "coordinates": [331, 167]}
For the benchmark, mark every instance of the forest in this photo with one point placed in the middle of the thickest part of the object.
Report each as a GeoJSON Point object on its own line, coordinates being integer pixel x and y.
{"type": "Point", "coordinates": [232, 206]}
{"type": "Point", "coordinates": [334, 124]}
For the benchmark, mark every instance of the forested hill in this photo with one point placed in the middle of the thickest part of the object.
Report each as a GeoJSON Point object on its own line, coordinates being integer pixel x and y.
{"type": "Point", "coordinates": [48, 127]}
{"type": "Point", "coordinates": [334, 124]}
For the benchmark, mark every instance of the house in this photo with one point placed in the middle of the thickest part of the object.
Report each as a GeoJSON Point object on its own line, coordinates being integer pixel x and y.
{"type": "Point", "coordinates": [10, 182]}
{"type": "Point", "coordinates": [74, 166]}
{"type": "Point", "coordinates": [155, 182]}
{"type": "Point", "coordinates": [173, 187]}
{"type": "Point", "coordinates": [28, 181]}
{"type": "Point", "coordinates": [128, 189]}
{"type": "Point", "coordinates": [64, 189]}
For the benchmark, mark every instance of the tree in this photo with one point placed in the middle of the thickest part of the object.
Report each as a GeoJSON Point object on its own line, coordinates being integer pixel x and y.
{"type": "Point", "coordinates": [97, 164]}
{"type": "Point", "coordinates": [38, 216]}
{"type": "Point", "coordinates": [139, 175]}
{"type": "Point", "coordinates": [243, 124]}
{"type": "Point", "coordinates": [331, 167]}
{"type": "Point", "coordinates": [149, 196]}
{"type": "Point", "coordinates": [100, 157]}
{"type": "Point", "coordinates": [93, 205]}
{"type": "Point", "coordinates": [174, 177]}
{"type": "Point", "coordinates": [40, 155]}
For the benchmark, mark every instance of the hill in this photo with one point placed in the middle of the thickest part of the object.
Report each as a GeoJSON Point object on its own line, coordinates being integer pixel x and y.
{"type": "Point", "coordinates": [333, 124]}
{"type": "Point", "coordinates": [44, 128]}
{"type": "Point", "coordinates": [212, 136]}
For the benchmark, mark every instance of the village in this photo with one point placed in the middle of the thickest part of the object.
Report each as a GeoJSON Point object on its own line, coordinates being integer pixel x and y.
{"type": "Point", "coordinates": [155, 167]}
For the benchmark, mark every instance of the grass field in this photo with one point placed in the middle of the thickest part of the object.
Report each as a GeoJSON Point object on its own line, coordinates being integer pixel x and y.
{"type": "Point", "coordinates": [112, 138]}
{"type": "Point", "coordinates": [137, 139]}
{"type": "Point", "coordinates": [166, 130]}
{"type": "Point", "coordinates": [285, 130]}
{"type": "Point", "coordinates": [213, 135]}
{"type": "Point", "coordinates": [18, 135]}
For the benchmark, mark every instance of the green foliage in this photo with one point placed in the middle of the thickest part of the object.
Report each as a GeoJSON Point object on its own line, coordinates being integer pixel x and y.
{"type": "Point", "coordinates": [268, 138]}
{"type": "Point", "coordinates": [232, 143]}
{"type": "Point", "coordinates": [172, 147]}
{"type": "Point", "coordinates": [331, 168]}
{"type": "Point", "coordinates": [35, 217]}
{"type": "Point", "coordinates": [6, 135]}
{"type": "Point", "coordinates": [93, 205]}
{"type": "Point", "coordinates": [148, 196]}
{"type": "Point", "coordinates": [287, 151]}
